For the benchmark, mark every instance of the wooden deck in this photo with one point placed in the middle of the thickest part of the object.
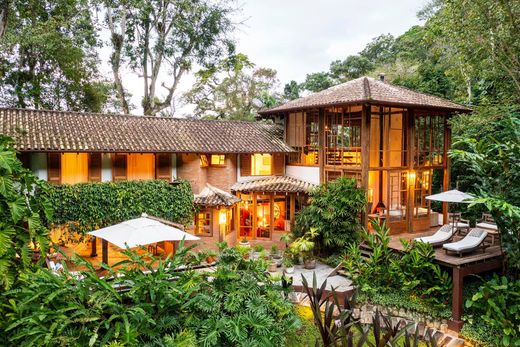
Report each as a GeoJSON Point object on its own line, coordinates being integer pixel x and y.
{"type": "Point", "coordinates": [450, 260]}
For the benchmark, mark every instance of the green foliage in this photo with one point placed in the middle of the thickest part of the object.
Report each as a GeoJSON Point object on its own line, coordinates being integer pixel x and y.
{"type": "Point", "coordinates": [317, 81]}
{"type": "Point", "coordinates": [23, 216]}
{"type": "Point", "coordinates": [333, 212]}
{"type": "Point", "coordinates": [499, 299]}
{"type": "Point", "coordinates": [412, 271]}
{"type": "Point", "coordinates": [48, 56]}
{"type": "Point", "coordinates": [150, 302]}
{"type": "Point", "coordinates": [228, 90]}
{"type": "Point", "coordinates": [291, 91]}
{"type": "Point", "coordinates": [491, 165]}
{"type": "Point", "coordinates": [87, 206]}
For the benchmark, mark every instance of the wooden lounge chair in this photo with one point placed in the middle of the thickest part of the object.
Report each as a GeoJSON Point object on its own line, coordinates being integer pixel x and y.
{"type": "Point", "coordinates": [488, 223]}
{"type": "Point", "coordinates": [471, 242]}
{"type": "Point", "coordinates": [457, 220]}
{"type": "Point", "coordinates": [441, 236]}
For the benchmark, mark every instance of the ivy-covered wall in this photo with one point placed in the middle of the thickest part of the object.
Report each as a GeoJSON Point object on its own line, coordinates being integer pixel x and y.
{"type": "Point", "coordinates": [85, 206]}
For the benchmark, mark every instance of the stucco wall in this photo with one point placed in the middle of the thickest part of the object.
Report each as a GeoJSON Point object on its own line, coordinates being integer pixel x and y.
{"type": "Point", "coordinates": [309, 174]}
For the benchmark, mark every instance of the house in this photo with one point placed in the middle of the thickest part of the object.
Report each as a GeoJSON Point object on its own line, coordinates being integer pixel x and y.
{"type": "Point", "coordinates": [391, 139]}
{"type": "Point", "coordinates": [218, 158]}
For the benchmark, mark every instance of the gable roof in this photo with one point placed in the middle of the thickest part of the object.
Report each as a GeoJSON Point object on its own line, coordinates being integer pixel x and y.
{"type": "Point", "coordinates": [368, 89]}
{"type": "Point", "coordinates": [273, 184]}
{"type": "Point", "coordinates": [212, 196]}
{"type": "Point", "coordinates": [40, 130]}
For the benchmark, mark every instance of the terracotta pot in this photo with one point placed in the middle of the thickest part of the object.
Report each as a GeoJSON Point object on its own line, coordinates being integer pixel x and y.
{"type": "Point", "coordinates": [272, 267]}
{"type": "Point", "coordinates": [310, 264]}
{"type": "Point", "coordinates": [210, 259]}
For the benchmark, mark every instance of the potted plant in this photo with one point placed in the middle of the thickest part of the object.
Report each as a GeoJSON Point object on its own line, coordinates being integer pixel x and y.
{"type": "Point", "coordinates": [257, 249]}
{"type": "Point", "coordinates": [304, 245]}
{"type": "Point", "coordinates": [272, 266]}
{"type": "Point", "coordinates": [211, 256]}
{"type": "Point", "coordinates": [222, 246]}
{"type": "Point", "coordinates": [263, 255]}
{"type": "Point", "coordinates": [244, 251]}
{"type": "Point", "coordinates": [275, 255]}
{"type": "Point", "coordinates": [288, 264]}
{"type": "Point", "coordinates": [245, 242]}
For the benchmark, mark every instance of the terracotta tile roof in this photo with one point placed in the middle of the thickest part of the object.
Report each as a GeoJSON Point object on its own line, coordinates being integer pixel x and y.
{"type": "Point", "coordinates": [274, 184]}
{"type": "Point", "coordinates": [212, 196]}
{"type": "Point", "coordinates": [75, 132]}
{"type": "Point", "coordinates": [367, 89]}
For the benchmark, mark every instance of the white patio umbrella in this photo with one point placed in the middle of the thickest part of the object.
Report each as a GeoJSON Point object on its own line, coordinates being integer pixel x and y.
{"type": "Point", "coordinates": [140, 232]}
{"type": "Point", "coordinates": [453, 195]}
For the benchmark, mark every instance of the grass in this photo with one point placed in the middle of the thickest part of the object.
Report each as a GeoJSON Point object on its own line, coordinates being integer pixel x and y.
{"type": "Point", "coordinates": [307, 335]}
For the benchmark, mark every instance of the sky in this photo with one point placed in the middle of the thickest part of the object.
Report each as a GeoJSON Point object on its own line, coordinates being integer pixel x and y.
{"type": "Point", "coordinates": [297, 37]}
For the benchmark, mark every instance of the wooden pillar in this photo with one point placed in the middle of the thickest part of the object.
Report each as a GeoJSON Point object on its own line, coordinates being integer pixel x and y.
{"type": "Point", "coordinates": [271, 215]}
{"type": "Point", "coordinates": [292, 209]}
{"type": "Point", "coordinates": [93, 251]}
{"type": "Point", "coordinates": [446, 163]}
{"type": "Point", "coordinates": [410, 138]}
{"type": "Point", "coordinates": [456, 322]}
{"type": "Point", "coordinates": [321, 143]}
{"type": "Point", "coordinates": [365, 153]}
{"type": "Point", "coordinates": [104, 251]}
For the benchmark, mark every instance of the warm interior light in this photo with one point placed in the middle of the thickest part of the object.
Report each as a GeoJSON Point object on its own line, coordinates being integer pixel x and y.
{"type": "Point", "coordinates": [370, 195]}
{"type": "Point", "coordinates": [222, 218]}
{"type": "Point", "coordinates": [411, 178]}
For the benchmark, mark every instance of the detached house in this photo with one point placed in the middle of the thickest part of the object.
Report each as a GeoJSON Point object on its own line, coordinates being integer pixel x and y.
{"type": "Point", "coordinates": [236, 169]}
{"type": "Point", "coordinates": [250, 178]}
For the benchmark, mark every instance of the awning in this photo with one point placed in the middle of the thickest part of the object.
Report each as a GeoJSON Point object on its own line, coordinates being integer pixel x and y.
{"type": "Point", "coordinates": [139, 232]}
{"type": "Point", "coordinates": [214, 197]}
{"type": "Point", "coordinates": [274, 184]}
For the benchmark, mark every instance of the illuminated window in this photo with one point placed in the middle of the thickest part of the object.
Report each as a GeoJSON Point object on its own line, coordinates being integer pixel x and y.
{"type": "Point", "coordinates": [203, 224]}
{"type": "Point", "coordinates": [261, 164]}
{"type": "Point", "coordinates": [204, 161]}
{"type": "Point", "coordinates": [218, 159]}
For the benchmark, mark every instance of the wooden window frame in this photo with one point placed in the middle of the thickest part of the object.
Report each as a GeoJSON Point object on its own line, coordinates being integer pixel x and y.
{"type": "Point", "coordinates": [51, 178]}
{"type": "Point", "coordinates": [92, 176]}
{"type": "Point", "coordinates": [168, 167]}
{"type": "Point", "coordinates": [221, 160]}
{"type": "Point", "coordinates": [114, 178]}
{"type": "Point", "coordinates": [206, 212]}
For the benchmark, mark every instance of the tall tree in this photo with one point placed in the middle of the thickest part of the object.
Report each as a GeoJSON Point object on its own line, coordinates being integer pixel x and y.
{"type": "Point", "coordinates": [381, 50]}
{"type": "Point", "coordinates": [353, 66]}
{"type": "Point", "coordinates": [291, 90]}
{"type": "Point", "coordinates": [48, 56]}
{"type": "Point", "coordinates": [233, 89]}
{"type": "Point", "coordinates": [155, 38]}
{"type": "Point", "coordinates": [317, 81]}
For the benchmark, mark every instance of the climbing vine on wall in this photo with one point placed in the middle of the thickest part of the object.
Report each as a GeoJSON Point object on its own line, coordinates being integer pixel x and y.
{"type": "Point", "coordinates": [87, 206]}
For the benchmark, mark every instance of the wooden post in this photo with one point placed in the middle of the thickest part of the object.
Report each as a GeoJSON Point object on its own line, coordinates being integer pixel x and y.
{"type": "Point", "coordinates": [321, 143]}
{"type": "Point", "coordinates": [456, 322]}
{"type": "Point", "coordinates": [447, 167]}
{"type": "Point", "coordinates": [410, 137]}
{"type": "Point", "coordinates": [93, 251]}
{"type": "Point", "coordinates": [365, 153]}
{"type": "Point", "coordinates": [292, 209]}
{"type": "Point", "coordinates": [104, 251]}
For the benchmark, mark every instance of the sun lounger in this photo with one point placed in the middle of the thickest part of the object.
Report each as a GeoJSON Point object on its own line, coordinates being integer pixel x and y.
{"type": "Point", "coordinates": [444, 234]}
{"type": "Point", "coordinates": [471, 242]}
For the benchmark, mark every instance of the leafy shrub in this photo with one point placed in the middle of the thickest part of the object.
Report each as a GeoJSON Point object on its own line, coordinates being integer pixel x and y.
{"type": "Point", "coordinates": [499, 300]}
{"type": "Point", "coordinates": [149, 302]}
{"type": "Point", "coordinates": [334, 212]}
{"type": "Point", "coordinates": [412, 270]}
{"type": "Point", "coordinates": [22, 216]}
{"type": "Point", "coordinates": [85, 206]}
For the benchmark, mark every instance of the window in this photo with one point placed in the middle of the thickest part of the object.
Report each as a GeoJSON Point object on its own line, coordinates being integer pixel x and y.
{"type": "Point", "coordinates": [263, 216]}
{"type": "Point", "coordinates": [429, 140]}
{"type": "Point", "coordinates": [342, 137]}
{"type": "Point", "coordinates": [94, 167]}
{"type": "Point", "coordinates": [119, 167]}
{"type": "Point", "coordinates": [163, 166]}
{"type": "Point", "coordinates": [302, 135]}
{"type": "Point", "coordinates": [203, 223]}
{"type": "Point", "coordinates": [54, 168]}
{"type": "Point", "coordinates": [261, 164]}
{"type": "Point", "coordinates": [204, 161]}
{"type": "Point", "coordinates": [246, 216]}
{"type": "Point", "coordinates": [218, 160]}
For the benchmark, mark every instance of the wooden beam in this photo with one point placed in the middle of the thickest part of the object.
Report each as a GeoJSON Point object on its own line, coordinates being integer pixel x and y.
{"type": "Point", "coordinates": [410, 137]}
{"type": "Point", "coordinates": [446, 168]}
{"type": "Point", "coordinates": [365, 153]}
{"type": "Point", "coordinates": [456, 322]}
{"type": "Point", "coordinates": [104, 251]}
{"type": "Point", "coordinates": [292, 209]}
{"type": "Point", "coordinates": [321, 143]}
{"type": "Point", "coordinates": [93, 251]}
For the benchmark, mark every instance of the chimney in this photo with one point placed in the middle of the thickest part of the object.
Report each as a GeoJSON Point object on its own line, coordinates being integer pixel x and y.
{"type": "Point", "coordinates": [382, 77]}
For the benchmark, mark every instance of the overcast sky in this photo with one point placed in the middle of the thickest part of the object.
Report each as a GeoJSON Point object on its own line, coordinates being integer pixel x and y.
{"type": "Point", "coordinates": [297, 37]}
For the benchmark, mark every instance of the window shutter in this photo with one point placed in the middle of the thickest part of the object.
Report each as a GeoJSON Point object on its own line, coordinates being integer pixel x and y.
{"type": "Point", "coordinates": [245, 164]}
{"type": "Point", "coordinates": [54, 168]}
{"type": "Point", "coordinates": [94, 167]}
{"type": "Point", "coordinates": [163, 166]}
{"type": "Point", "coordinates": [278, 164]}
{"type": "Point", "coordinates": [120, 167]}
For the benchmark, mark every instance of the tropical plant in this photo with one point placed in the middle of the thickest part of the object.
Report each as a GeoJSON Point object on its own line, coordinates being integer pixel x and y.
{"type": "Point", "coordinates": [23, 232]}
{"type": "Point", "coordinates": [499, 300]}
{"type": "Point", "coordinates": [334, 212]}
{"type": "Point", "coordinates": [304, 245]}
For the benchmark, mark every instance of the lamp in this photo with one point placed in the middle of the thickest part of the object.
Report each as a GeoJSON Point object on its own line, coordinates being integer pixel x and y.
{"type": "Point", "coordinates": [370, 197]}
{"type": "Point", "coordinates": [222, 217]}
{"type": "Point", "coordinates": [411, 178]}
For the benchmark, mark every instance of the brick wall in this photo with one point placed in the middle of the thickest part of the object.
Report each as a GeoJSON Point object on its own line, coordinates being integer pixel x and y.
{"type": "Point", "coordinates": [223, 177]}
{"type": "Point", "coordinates": [188, 168]}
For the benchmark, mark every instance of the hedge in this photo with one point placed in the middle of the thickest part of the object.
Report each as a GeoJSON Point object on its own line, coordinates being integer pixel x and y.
{"type": "Point", "coordinates": [87, 206]}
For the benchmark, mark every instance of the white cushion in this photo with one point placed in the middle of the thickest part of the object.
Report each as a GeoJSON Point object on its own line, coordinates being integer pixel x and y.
{"type": "Point", "coordinates": [471, 241]}
{"type": "Point", "coordinates": [443, 234]}
{"type": "Point", "coordinates": [485, 225]}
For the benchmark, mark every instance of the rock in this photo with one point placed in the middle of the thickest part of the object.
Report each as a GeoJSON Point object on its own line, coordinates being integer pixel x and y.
{"type": "Point", "coordinates": [444, 328]}
{"type": "Point", "coordinates": [456, 343]}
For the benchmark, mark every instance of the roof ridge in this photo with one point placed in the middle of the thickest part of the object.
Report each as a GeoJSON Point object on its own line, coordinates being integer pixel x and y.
{"type": "Point", "coordinates": [126, 115]}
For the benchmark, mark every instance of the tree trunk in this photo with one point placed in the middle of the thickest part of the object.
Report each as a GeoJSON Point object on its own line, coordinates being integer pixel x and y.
{"type": "Point", "coordinates": [4, 13]}
{"type": "Point", "coordinates": [118, 40]}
